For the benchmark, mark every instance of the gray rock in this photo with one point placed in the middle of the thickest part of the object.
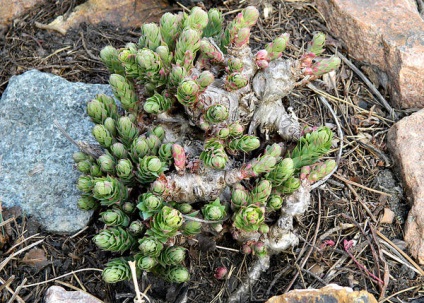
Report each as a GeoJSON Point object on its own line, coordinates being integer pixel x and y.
{"type": "Point", "coordinates": [37, 170]}
{"type": "Point", "coordinates": [57, 294]}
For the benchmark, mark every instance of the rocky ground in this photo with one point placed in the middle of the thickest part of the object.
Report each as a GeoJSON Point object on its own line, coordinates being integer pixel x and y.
{"type": "Point", "coordinates": [357, 232]}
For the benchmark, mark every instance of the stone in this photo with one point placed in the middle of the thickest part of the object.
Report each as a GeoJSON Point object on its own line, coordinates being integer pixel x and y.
{"type": "Point", "coordinates": [405, 143]}
{"type": "Point", "coordinates": [124, 13]}
{"type": "Point", "coordinates": [11, 9]}
{"type": "Point", "coordinates": [328, 294]}
{"type": "Point", "coordinates": [388, 216]}
{"type": "Point", "coordinates": [37, 169]}
{"type": "Point", "coordinates": [386, 34]}
{"type": "Point", "coordinates": [57, 294]}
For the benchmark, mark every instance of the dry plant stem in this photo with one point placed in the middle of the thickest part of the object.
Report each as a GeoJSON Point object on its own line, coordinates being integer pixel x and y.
{"type": "Point", "coordinates": [261, 99]}
{"type": "Point", "coordinates": [92, 150]}
{"type": "Point", "coordinates": [65, 275]}
{"type": "Point", "coordinates": [18, 289]}
{"type": "Point", "coordinates": [417, 267]}
{"type": "Point", "coordinates": [19, 243]}
{"type": "Point", "coordinates": [341, 226]}
{"type": "Point", "coordinates": [6, 283]}
{"type": "Point", "coordinates": [222, 247]}
{"type": "Point", "coordinates": [135, 282]}
{"type": "Point", "coordinates": [254, 272]}
{"type": "Point", "coordinates": [398, 293]}
{"type": "Point", "coordinates": [362, 203]}
{"type": "Point", "coordinates": [5, 261]}
{"type": "Point", "coordinates": [386, 275]}
{"type": "Point", "coordinates": [51, 27]}
{"type": "Point", "coordinates": [362, 186]}
{"type": "Point", "coordinates": [362, 267]}
{"type": "Point", "coordinates": [365, 235]}
{"type": "Point", "coordinates": [7, 221]}
{"type": "Point", "coordinates": [191, 188]}
{"type": "Point", "coordinates": [369, 84]}
{"type": "Point", "coordinates": [374, 253]}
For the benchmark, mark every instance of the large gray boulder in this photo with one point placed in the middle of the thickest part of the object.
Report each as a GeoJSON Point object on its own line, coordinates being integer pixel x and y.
{"type": "Point", "coordinates": [37, 172]}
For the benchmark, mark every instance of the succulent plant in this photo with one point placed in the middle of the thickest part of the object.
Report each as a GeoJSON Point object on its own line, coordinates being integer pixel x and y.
{"type": "Point", "coordinates": [149, 204]}
{"type": "Point", "coordinates": [191, 228]}
{"type": "Point", "coordinates": [145, 263]}
{"type": "Point", "coordinates": [114, 239]}
{"type": "Point", "coordinates": [115, 217]}
{"type": "Point", "coordinates": [249, 218]}
{"type": "Point", "coordinates": [109, 190]}
{"type": "Point", "coordinates": [172, 255]}
{"type": "Point", "coordinates": [150, 246]}
{"type": "Point", "coordinates": [88, 203]}
{"type": "Point", "coordinates": [165, 223]}
{"type": "Point", "coordinates": [116, 270]}
{"type": "Point", "coordinates": [177, 274]}
{"type": "Point", "coordinates": [180, 155]}
{"type": "Point", "coordinates": [214, 211]}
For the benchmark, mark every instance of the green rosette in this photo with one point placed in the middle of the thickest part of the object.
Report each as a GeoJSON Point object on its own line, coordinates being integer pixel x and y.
{"type": "Point", "coordinates": [165, 223]}
{"type": "Point", "coordinates": [149, 169]}
{"type": "Point", "coordinates": [249, 218]}
{"type": "Point", "coordinates": [114, 239]}
{"type": "Point", "coordinates": [116, 270]}
{"type": "Point", "coordinates": [149, 204]}
{"type": "Point", "coordinates": [109, 191]}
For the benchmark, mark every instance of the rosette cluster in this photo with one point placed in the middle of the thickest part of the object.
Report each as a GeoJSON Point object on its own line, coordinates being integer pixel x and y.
{"type": "Point", "coordinates": [170, 70]}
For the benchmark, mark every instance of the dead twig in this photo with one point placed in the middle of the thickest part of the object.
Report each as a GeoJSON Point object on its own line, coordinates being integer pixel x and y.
{"type": "Point", "coordinates": [418, 268]}
{"type": "Point", "coordinates": [386, 274]}
{"type": "Point", "coordinates": [50, 27]}
{"type": "Point", "coordinates": [135, 282]}
{"type": "Point", "coordinates": [361, 186]}
{"type": "Point", "coordinates": [18, 289]}
{"type": "Point", "coordinates": [371, 86]}
{"type": "Point", "coordinates": [62, 276]}
{"type": "Point", "coordinates": [89, 149]}
{"type": "Point", "coordinates": [399, 292]}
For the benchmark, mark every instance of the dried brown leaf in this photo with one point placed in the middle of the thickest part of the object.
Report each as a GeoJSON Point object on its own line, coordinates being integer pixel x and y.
{"type": "Point", "coordinates": [35, 258]}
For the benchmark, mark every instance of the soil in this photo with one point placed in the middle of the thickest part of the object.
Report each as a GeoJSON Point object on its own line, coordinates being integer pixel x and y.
{"type": "Point", "coordinates": [341, 210]}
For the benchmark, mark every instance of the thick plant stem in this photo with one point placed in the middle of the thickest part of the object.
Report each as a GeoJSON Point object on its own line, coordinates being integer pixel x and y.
{"type": "Point", "coordinates": [254, 273]}
{"type": "Point", "coordinates": [259, 105]}
{"type": "Point", "coordinates": [281, 236]}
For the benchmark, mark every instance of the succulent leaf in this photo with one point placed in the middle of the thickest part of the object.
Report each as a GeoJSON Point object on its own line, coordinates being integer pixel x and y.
{"type": "Point", "coordinates": [311, 147]}
{"type": "Point", "coordinates": [215, 20]}
{"type": "Point", "coordinates": [124, 91]}
{"type": "Point", "coordinates": [109, 56]}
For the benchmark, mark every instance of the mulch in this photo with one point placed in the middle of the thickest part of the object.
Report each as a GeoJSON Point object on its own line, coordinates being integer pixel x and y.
{"type": "Point", "coordinates": [346, 210]}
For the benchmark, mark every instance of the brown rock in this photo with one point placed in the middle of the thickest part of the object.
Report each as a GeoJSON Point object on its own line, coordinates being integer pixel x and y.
{"type": "Point", "coordinates": [405, 141]}
{"type": "Point", "coordinates": [388, 216]}
{"type": "Point", "coordinates": [387, 34]}
{"type": "Point", "coordinates": [57, 294]}
{"type": "Point", "coordinates": [123, 13]}
{"type": "Point", "coordinates": [11, 9]}
{"type": "Point", "coordinates": [328, 294]}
